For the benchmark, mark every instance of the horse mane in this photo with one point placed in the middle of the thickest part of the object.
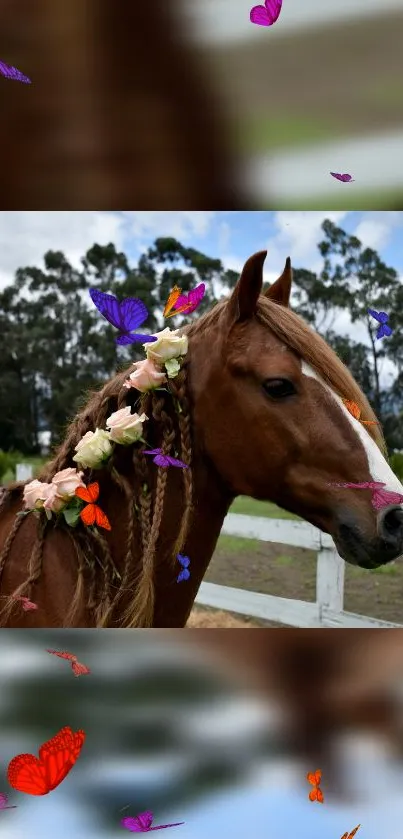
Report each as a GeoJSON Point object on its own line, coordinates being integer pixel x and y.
{"type": "Point", "coordinates": [130, 470]}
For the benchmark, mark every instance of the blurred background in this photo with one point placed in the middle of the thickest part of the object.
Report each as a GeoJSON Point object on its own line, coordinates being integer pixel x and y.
{"type": "Point", "coordinates": [197, 727]}
{"type": "Point", "coordinates": [181, 105]}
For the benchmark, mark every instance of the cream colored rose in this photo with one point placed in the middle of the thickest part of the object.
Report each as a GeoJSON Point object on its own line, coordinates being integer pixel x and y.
{"type": "Point", "coordinates": [93, 448]}
{"type": "Point", "coordinates": [125, 427]}
{"type": "Point", "coordinates": [35, 493]}
{"type": "Point", "coordinates": [67, 481]}
{"type": "Point", "coordinates": [169, 345]}
{"type": "Point", "coordinates": [146, 376]}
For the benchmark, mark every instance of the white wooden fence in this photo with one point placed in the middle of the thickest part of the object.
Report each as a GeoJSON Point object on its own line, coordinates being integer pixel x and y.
{"type": "Point", "coordinates": [327, 611]}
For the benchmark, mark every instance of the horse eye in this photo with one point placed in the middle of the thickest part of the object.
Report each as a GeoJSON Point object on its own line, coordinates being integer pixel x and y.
{"type": "Point", "coordinates": [279, 388]}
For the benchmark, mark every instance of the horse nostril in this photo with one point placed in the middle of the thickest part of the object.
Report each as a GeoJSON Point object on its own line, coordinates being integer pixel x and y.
{"type": "Point", "coordinates": [390, 525]}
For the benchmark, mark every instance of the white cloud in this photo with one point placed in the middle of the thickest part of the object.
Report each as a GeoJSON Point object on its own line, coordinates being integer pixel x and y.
{"type": "Point", "coordinates": [180, 224]}
{"type": "Point", "coordinates": [374, 234]}
{"type": "Point", "coordinates": [298, 235]}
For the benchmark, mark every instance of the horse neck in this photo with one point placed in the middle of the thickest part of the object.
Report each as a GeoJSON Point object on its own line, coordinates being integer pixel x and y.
{"type": "Point", "coordinates": [174, 601]}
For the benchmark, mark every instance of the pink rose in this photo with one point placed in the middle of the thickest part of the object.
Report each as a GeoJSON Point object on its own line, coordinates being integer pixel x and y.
{"type": "Point", "coordinates": [53, 500]}
{"type": "Point", "coordinates": [35, 493]}
{"type": "Point", "coordinates": [67, 481]}
{"type": "Point", "coordinates": [146, 376]}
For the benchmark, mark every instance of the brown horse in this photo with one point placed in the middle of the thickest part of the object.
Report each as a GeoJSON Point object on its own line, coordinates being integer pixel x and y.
{"type": "Point", "coordinates": [257, 410]}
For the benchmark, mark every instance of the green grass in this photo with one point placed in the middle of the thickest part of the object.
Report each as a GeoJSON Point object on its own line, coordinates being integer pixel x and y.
{"type": "Point", "coordinates": [260, 134]}
{"type": "Point", "coordinates": [237, 544]}
{"type": "Point", "coordinates": [249, 507]}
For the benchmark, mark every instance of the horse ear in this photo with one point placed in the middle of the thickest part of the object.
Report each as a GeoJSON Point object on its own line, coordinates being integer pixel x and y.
{"type": "Point", "coordinates": [280, 291]}
{"type": "Point", "coordinates": [242, 303]}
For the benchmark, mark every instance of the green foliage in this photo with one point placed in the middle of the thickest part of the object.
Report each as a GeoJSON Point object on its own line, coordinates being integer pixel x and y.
{"type": "Point", "coordinates": [55, 347]}
{"type": "Point", "coordinates": [396, 463]}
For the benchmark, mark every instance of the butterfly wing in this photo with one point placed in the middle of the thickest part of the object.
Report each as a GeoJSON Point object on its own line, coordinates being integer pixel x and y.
{"type": "Point", "coordinates": [27, 605]}
{"type": "Point", "coordinates": [353, 408]}
{"type": "Point", "coordinates": [273, 8]}
{"type": "Point", "coordinates": [140, 823]}
{"type": "Point", "coordinates": [375, 315]}
{"type": "Point", "coordinates": [172, 461]}
{"type": "Point", "coordinates": [60, 753]}
{"type": "Point", "coordinates": [161, 826]}
{"type": "Point", "coordinates": [137, 337]}
{"type": "Point", "coordinates": [89, 493]}
{"type": "Point", "coordinates": [12, 73]}
{"type": "Point", "coordinates": [342, 177]}
{"type": "Point", "coordinates": [109, 307]}
{"type": "Point", "coordinates": [189, 304]}
{"type": "Point", "coordinates": [319, 796]}
{"type": "Point", "coordinates": [80, 669]}
{"type": "Point", "coordinates": [184, 560]}
{"type": "Point", "coordinates": [314, 778]}
{"type": "Point", "coordinates": [266, 15]}
{"type": "Point", "coordinates": [153, 451]}
{"type": "Point", "coordinates": [101, 519]}
{"type": "Point", "coordinates": [3, 802]}
{"type": "Point", "coordinates": [68, 656]}
{"type": "Point", "coordinates": [383, 498]}
{"type": "Point", "coordinates": [25, 773]}
{"type": "Point", "coordinates": [313, 794]}
{"type": "Point", "coordinates": [353, 832]}
{"type": "Point", "coordinates": [183, 575]}
{"type": "Point", "coordinates": [161, 460]}
{"type": "Point", "coordinates": [88, 514]}
{"type": "Point", "coordinates": [172, 298]}
{"type": "Point", "coordinates": [383, 330]}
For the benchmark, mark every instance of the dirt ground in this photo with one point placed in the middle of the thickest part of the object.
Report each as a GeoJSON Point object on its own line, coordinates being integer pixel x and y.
{"type": "Point", "coordinates": [291, 572]}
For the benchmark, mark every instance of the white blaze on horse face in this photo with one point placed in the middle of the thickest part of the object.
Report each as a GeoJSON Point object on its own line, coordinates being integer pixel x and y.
{"type": "Point", "coordinates": [377, 465]}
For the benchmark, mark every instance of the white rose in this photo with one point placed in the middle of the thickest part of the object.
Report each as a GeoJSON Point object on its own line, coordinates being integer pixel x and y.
{"type": "Point", "coordinates": [67, 481]}
{"type": "Point", "coordinates": [93, 448]}
{"type": "Point", "coordinates": [168, 345]}
{"type": "Point", "coordinates": [125, 427]}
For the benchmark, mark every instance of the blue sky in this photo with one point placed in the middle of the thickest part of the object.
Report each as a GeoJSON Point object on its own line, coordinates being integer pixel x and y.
{"type": "Point", "coordinates": [230, 236]}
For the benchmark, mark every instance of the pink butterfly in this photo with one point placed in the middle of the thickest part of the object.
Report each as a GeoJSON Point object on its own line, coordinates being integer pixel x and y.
{"type": "Point", "coordinates": [380, 497]}
{"type": "Point", "coordinates": [187, 303]}
{"type": "Point", "coordinates": [27, 605]}
{"type": "Point", "coordinates": [78, 668]}
{"type": "Point", "coordinates": [3, 802]}
{"type": "Point", "coordinates": [165, 460]}
{"type": "Point", "coordinates": [346, 178]}
{"type": "Point", "coordinates": [266, 15]}
{"type": "Point", "coordinates": [142, 823]}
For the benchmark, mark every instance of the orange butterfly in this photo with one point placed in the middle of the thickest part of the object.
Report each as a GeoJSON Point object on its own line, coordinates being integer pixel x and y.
{"type": "Point", "coordinates": [172, 298]}
{"type": "Point", "coordinates": [92, 514]}
{"type": "Point", "coordinates": [26, 773]}
{"type": "Point", "coordinates": [315, 794]}
{"type": "Point", "coordinates": [353, 408]}
{"type": "Point", "coordinates": [350, 835]}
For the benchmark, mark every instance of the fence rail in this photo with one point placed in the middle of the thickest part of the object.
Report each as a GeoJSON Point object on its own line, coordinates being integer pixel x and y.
{"type": "Point", "coordinates": [327, 611]}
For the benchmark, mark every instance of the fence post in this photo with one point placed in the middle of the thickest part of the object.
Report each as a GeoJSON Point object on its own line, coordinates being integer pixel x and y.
{"type": "Point", "coordinates": [330, 580]}
{"type": "Point", "coordinates": [23, 471]}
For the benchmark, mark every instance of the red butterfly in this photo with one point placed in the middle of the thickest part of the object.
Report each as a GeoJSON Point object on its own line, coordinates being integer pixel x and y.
{"type": "Point", "coordinates": [56, 757]}
{"type": "Point", "coordinates": [92, 514]}
{"type": "Point", "coordinates": [314, 778]}
{"type": "Point", "coordinates": [78, 668]}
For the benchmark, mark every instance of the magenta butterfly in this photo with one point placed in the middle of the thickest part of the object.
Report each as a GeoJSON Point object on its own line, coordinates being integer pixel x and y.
{"type": "Point", "coordinates": [164, 459]}
{"type": "Point", "coordinates": [3, 802]}
{"type": "Point", "coordinates": [382, 318]}
{"type": "Point", "coordinates": [266, 15]}
{"type": "Point", "coordinates": [124, 315]}
{"type": "Point", "coordinates": [187, 303]}
{"type": "Point", "coordinates": [12, 73]}
{"type": "Point", "coordinates": [184, 574]}
{"type": "Point", "coordinates": [142, 823]}
{"type": "Point", "coordinates": [380, 497]}
{"type": "Point", "coordinates": [346, 178]}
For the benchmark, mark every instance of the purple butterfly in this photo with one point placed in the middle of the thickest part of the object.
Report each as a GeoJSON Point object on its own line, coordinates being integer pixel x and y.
{"type": "Point", "coordinates": [125, 315]}
{"type": "Point", "coordinates": [382, 318]}
{"type": "Point", "coordinates": [164, 459]}
{"type": "Point", "coordinates": [142, 823]}
{"type": "Point", "coordinates": [346, 178]}
{"type": "Point", "coordinates": [3, 802]}
{"type": "Point", "coordinates": [185, 573]}
{"type": "Point", "coordinates": [12, 73]}
{"type": "Point", "coordinates": [266, 15]}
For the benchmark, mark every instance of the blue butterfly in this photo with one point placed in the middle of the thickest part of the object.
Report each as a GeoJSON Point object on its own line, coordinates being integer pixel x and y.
{"type": "Point", "coordinates": [185, 562]}
{"type": "Point", "coordinates": [382, 318]}
{"type": "Point", "coordinates": [125, 316]}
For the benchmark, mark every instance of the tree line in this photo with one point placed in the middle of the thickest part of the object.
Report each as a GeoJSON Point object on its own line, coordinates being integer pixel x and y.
{"type": "Point", "coordinates": [54, 346]}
